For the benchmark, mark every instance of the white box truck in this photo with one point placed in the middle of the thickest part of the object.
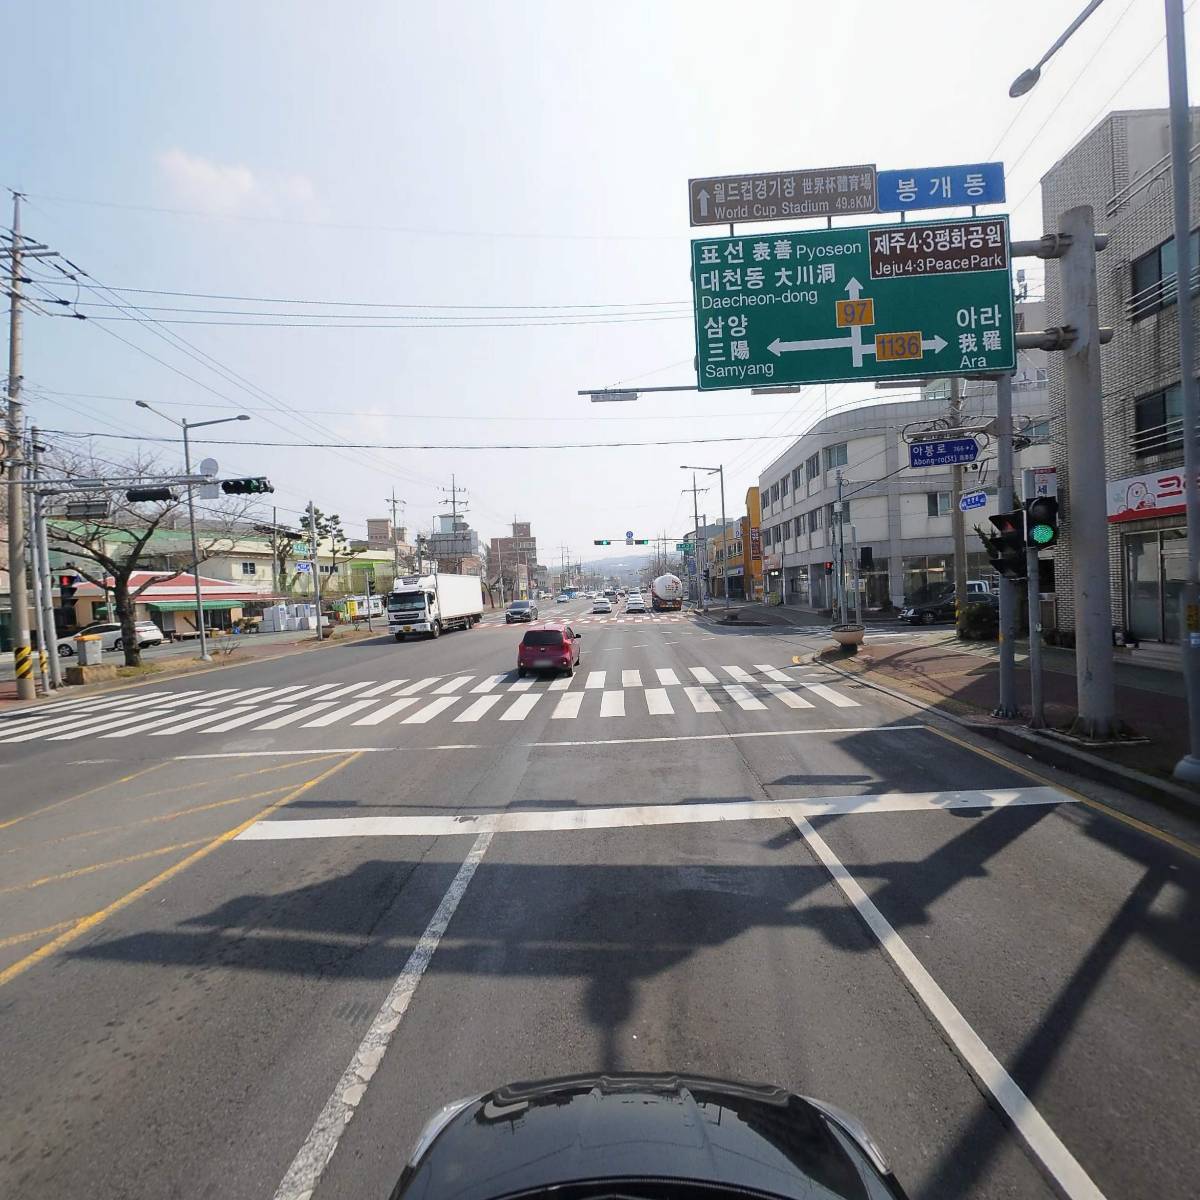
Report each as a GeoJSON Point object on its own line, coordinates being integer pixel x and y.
{"type": "Point", "coordinates": [432, 604]}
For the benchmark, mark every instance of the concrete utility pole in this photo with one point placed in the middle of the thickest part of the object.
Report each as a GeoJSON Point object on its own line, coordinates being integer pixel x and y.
{"type": "Point", "coordinates": [395, 534]}
{"type": "Point", "coordinates": [841, 555]}
{"type": "Point", "coordinates": [1094, 681]}
{"type": "Point", "coordinates": [696, 585]}
{"type": "Point", "coordinates": [38, 610]}
{"type": "Point", "coordinates": [17, 583]}
{"type": "Point", "coordinates": [957, 518]}
{"type": "Point", "coordinates": [1008, 591]}
{"type": "Point", "coordinates": [316, 566]}
{"type": "Point", "coordinates": [1188, 767]}
{"type": "Point", "coordinates": [41, 552]}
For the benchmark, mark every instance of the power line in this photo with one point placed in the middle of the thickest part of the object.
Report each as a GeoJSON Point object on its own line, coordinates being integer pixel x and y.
{"type": "Point", "coordinates": [254, 323]}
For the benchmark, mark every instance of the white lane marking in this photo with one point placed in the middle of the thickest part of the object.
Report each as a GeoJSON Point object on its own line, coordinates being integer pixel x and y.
{"type": "Point", "coordinates": [635, 815]}
{"type": "Point", "coordinates": [236, 722]}
{"type": "Point", "coordinates": [741, 696]}
{"type": "Point", "coordinates": [476, 710]}
{"type": "Point", "coordinates": [522, 685]}
{"type": "Point", "coordinates": [490, 682]}
{"type": "Point", "coordinates": [452, 685]}
{"type": "Point", "coordinates": [666, 676]}
{"type": "Point", "coordinates": [561, 684]}
{"type": "Point", "coordinates": [773, 673]}
{"type": "Point", "coordinates": [299, 715]}
{"type": "Point", "coordinates": [293, 753]}
{"type": "Point", "coordinates": [226, 695]}
{"type": "Point", "coordinates": [1042, 1142]}
{"type": "Point", "coordinates": [345, 691]}
{"type": "Point", "coordinates": [309, 693]}
{"type": "Point", "coordinates": [109, 722]}
{"type": "Point", "coordinates": [388, 710]}
{"type": "Point", "coordinates": [202, 719]}
{"type": "Point", "coordinates": [782, 692]}
{"type": "Point", "coordinates": [834, 698]}
{"type": "Point", "coordinates": [703, 675]}
{"type": "Point", "coordinates": [612, 704]}
{"type": "Point", "coordinates": [567, 707]}
{"type": "Point", "coordinates": [417, 685]}
{"type": "Point", "coordinates": [380, 688]}
{"type": "Point", "coordinates": [518, 710]}
{"type": "Point", "coordinates": [329, 718]}
{"type": "Point", "coordinates": [171, 719]}
{"type": "Point", "coordinates": [658, 702]}
{"type": "Point", "coordinates": [313, 1156]}
{"type": "Point", "coordinates": [713, 737]}
{"type": "Point", "coordinates": [631, 679]}
{"type": "Point", "coordinates": [431, 710]}
{"type": "Point", "coordinates": [595, 679]}
{"type": "Point", "coordinates": [701, 700]}
{"type": "Point", "coordinates": [738, 675]}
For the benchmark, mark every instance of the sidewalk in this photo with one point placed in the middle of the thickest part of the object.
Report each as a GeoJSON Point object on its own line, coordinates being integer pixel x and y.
{"type": "Point", "coordinates": [963, 679]}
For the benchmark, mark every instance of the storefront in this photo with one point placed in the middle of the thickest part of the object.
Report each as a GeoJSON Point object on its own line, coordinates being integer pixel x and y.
{"type": "Point", "coordinates": [1149, 510]}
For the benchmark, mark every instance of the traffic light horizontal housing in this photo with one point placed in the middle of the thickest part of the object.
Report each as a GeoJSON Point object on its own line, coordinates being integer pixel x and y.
{"type": "Point", "coordinates": [246, 487]}
{"type": "Point", "coordinates": [136, 495]}
{"type": "Point", "coordinates": [641, 541]}
{"type": "Point", "coordinates": [601, 542]}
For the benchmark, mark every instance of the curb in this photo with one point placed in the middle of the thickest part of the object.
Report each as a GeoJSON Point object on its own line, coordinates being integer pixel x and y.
{"type": "Point", "coordinates": [67, 694]}
{"type": "Point", "coordinates": [1171, 796]}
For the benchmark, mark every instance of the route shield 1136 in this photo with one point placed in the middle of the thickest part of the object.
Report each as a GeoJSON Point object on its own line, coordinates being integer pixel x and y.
{"type": "Point", "coordinates": [874, 302]}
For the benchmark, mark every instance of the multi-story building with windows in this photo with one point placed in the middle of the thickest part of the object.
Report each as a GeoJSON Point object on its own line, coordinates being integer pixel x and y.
{"type": "Point", "coordinates": [1122, 169]}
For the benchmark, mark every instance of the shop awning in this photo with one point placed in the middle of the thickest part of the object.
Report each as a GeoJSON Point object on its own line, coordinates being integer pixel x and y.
{"type": "Point", "coordinates": [190, 605]}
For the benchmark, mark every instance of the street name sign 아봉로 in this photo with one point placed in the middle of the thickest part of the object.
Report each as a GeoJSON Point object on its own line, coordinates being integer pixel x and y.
{"type": "Point", "coordinates": [303, 567]}
{"type": "Point", "coordinates": [941, 187]}
{"type": "Point", "coordinates": [782, 195]}
{"type": "Point", "coordinates": [951, 452]}
{"type": "Point", "coordinates": [853, 303]}
{"type": "Point", "coordinates": [972, 500]}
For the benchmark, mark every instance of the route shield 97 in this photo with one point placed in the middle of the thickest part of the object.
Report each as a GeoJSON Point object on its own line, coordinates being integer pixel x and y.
{"type": "Point", "coordinates": [870, 302]}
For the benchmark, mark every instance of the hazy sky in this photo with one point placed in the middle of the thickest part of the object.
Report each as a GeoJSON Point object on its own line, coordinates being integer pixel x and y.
{"type": "Point", "coordinates": [526, 158]}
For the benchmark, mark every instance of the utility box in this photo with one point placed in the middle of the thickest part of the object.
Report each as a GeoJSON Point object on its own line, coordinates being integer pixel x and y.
{"type": "Point", "coordinates": [90, 650]}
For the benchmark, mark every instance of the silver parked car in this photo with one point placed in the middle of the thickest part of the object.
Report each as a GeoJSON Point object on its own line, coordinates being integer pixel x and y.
{"type": "Point", "coordinates": [109, 633]}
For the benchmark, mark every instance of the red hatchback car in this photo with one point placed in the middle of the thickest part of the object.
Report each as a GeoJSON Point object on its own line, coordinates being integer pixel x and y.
{"type": "Point", "coordinates": [552, 646]}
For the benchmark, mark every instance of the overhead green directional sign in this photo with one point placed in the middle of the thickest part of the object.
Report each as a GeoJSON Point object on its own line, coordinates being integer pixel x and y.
{"type": "Point", "coordinates": [835, 305]}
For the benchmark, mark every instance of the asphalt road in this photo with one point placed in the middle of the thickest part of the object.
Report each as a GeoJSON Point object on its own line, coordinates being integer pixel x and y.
{"type": "Point", "coordinates": [242, 907]}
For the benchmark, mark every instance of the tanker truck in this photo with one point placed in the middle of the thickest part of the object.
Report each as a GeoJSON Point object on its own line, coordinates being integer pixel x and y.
{"type": "Point", "coordinates": [666, 593]}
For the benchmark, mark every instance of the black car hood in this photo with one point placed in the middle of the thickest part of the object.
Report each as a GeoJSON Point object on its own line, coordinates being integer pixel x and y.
{"type": "Point", "coordinates": [664, 1131]}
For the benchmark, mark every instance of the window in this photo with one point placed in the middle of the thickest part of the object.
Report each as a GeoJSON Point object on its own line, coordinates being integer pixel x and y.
{"type": "Point", "coordinates": [937, 504]}
{"type": "Point", "coordinates": [1153, 277]}
{"type": "Point", "coordinates": [787, 531]}
{"type": "Point", "coordinates": [1039, 431]}
{"type": "Point", "coordinates": [814, 520]}
{"type": "Point", "coordinates": [1158, 422]}
{"type": "Point", "coordinates": [783, 486]}
{"type": "Point", "coordinates": [834, 456]}
{"type": "Point", "coordinates": [797, 479]}
{"type": "Point", "coordinates": [774, 493]}
{"type": "Point", "coordinates": [812, 465]}
{"type": "Point", "coordinates": [1043, 374]}
{"type": "Point", "coordinates": [249, 568]}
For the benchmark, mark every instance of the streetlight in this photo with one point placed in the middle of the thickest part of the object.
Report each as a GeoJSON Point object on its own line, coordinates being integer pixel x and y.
{"type": "Point", "coordinates": [187, 425]}
{"type": "Point", "coordinates": [1188, 767]}
{"type": "Point", "coordinates": [724, 527]}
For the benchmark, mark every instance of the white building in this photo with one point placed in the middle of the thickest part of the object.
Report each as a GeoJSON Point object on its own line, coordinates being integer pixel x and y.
{"type": "Point", "coordinates": [898, 516]}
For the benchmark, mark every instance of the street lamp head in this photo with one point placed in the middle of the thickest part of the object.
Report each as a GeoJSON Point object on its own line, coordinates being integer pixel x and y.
{"type": "Point", "coordinates": [141, 404]}
{"type": "Point", "coordinates": [243, 416]}
{"type": "Point", "coordinates": [1025, 82]}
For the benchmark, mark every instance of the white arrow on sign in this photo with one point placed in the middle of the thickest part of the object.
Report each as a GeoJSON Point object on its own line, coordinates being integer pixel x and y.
{"type": "Point", "coordinates": [702, 196]}
{"type": "Point", "coordinates": [854, 288]}
{"type": "Point", "coordinates": [778, 346]}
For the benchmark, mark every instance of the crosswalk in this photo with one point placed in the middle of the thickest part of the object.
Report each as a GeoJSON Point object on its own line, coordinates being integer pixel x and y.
{"type": "Point", "coordinates": [609, 693]}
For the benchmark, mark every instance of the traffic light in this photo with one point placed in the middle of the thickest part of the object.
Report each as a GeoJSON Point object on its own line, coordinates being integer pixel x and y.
{"type": "Point", "coordinates": [601, 542]}
{"type": "Point", "coordinates": [829, 568]}
{"type": "Point", "coordinates": [641, 541]}
{"type": "Point", "coordinates": [1041, 522]}
{"type": "Point", "coordinates": [149, 493]}
{"type": "Point", "coordinates": [1006, 547]}
{"type": "Point", "coordinates": [68, 581]}
{"type": "Point", "coordinates": [246, 487]}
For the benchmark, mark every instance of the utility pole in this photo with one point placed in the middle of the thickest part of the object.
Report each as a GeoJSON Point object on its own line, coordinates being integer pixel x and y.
{"type": "Point", "coordinates": [957, 518]}
{"type": "Point", "coordinates": [696, 585]}
{"type": "Point", "coordinates": [395, 534]}
{"type": "Point", "coordinates": [1188, 767]}
{"type": "Point", "coordinates": [39, 612]}
{"type": "Point", "coordinates": [41, 553]}
{"type": "Point", "coordinates": [841, 555]}
{"type": "Point", "coordinates": [191, 504]}
{"type": "Point", "coordinates": [453, 492]}
{"type": "Point", "coordinates": [316, 566]}
{"type": "Point", "coordinates": [17, 584]}
{"type": "Point", "coordinates": [1008, 591]}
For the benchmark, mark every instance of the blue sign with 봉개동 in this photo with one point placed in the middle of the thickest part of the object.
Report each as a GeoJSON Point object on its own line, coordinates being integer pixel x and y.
{"type": "Point", "coordinates": [949, 453]}
{"type": "Point", "coordinates": [941, 187]}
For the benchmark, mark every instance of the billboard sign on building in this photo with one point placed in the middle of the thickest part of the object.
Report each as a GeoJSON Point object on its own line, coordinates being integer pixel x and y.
{"type": "Point", "coordinates": [1137, 497]}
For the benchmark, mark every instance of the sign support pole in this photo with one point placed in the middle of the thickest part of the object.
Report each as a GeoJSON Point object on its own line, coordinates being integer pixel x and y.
{"type": "Point", "coordinates": [841, 555]}
{"type": "Point", "coordinates": [958, 527]}
{"type": "Point", "coordinates": [1008, 590]}
{"type": "Point", "coordinates": [1037, 719]}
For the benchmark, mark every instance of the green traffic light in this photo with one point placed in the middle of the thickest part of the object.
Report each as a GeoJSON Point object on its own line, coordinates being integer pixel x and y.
{"type": "Point", "coordinates": [1043, 535]}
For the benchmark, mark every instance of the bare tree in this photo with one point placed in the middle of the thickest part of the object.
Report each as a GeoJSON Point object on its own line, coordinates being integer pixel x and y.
{"type": "Point", "coordinates": [112, 549]}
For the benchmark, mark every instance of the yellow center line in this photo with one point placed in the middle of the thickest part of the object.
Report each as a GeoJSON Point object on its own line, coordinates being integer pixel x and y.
{"type": "Point", "coordinates": [37, 812]}
{"type": "Point", "coordinates": [100, 915]}
{"type": "Point", "coordinates": [128, 825]}
{"type": "Point", "coordinates": [1098, 805]}
{"type": "Point", "coordinates": [17, 938]}
{"type": "Point", "coordinates": [102, 866]}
